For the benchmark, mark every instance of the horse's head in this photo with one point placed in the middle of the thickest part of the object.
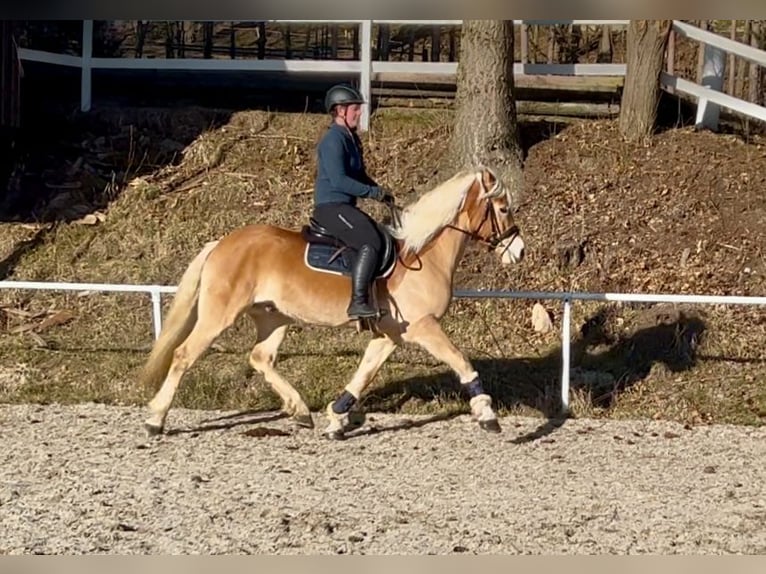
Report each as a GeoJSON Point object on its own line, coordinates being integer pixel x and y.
{"type": "Point", "coordinates": [488, 216]}
{"type": "Point", "coordinates": [475, 202]}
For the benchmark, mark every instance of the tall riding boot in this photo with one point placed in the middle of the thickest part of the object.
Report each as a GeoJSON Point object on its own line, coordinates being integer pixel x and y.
{"type": "Point", "coordinates": [361, 277]}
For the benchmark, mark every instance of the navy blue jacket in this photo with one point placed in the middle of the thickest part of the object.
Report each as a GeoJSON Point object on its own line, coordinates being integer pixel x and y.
{"type": "Point", "coordinates": [341, 175]}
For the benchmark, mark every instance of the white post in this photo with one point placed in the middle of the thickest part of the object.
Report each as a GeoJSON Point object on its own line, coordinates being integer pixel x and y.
{"type": "Point", "coordinates": [565, 359]}
{"type": "Point", "coordinates": [713, 70]}
{"type": "Point", "coordinates": [156, 313]}
{"type": "Point", "coordinates": [87, 54]}
{"type": "Point", "coordinates": [365, 78]}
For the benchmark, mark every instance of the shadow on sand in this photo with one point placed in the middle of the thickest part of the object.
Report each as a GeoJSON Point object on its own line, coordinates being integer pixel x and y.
{"type": "Point", "coordinates": [603, 365]}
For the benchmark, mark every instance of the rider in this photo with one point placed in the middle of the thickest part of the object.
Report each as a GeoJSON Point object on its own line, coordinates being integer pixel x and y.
{"type": "Point", "coordinates": [342, 179]}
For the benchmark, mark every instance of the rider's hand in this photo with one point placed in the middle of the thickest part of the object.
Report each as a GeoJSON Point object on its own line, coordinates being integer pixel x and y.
{"type": "Point", "coordinates": [388, 198]}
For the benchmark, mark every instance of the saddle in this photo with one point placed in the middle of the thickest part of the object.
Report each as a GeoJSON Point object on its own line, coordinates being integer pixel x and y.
{"type": "Point", "coordinates": [328, 254]}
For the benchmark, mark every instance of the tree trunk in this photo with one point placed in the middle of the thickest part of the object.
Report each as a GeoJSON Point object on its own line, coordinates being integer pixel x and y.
{"type": "Point", "coordinates": [742, 71]}
{"type": "Point", "coordinates": [485, 129]}
{"type": "Point", "coordinates": [605, 45]}
{"type": "Point", "coordinates": [261, 40]}
{"type": "Point", "coordinates": [384, 39]}
{"type": "Point", "coordinates": [755, 91]}
{"type": "Point", "coordinates": [141, 26]}
{"type": "Point", "coordinates": [647, 41]}
{"type": "Point", "coordinates": [436, 43]}
{"type": "Point", "coordinates": [207, 42]}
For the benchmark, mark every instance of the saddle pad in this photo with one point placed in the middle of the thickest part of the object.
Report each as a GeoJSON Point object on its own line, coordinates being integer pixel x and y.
{"type": "Point", "coordinates": [318, 256]}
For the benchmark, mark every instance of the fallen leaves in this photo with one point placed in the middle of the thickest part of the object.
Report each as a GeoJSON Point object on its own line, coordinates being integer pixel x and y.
{"type": "Point", "coordinates": [34, 322]}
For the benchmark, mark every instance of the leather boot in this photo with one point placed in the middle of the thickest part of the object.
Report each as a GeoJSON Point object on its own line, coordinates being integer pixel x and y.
{"type": "Point", "coordinates": [361, 277]}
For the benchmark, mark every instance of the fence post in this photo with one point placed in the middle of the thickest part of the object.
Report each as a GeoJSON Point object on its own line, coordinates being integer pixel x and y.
{"type": "Point", "coordinates": [713, 70]}
{"type": "Point", "coordinates": [365, 78]}
{"type": "Point", "coordinates": [565, 356]}
{"type": "Point", "coordinates": [156, 312]}
{"type": "Point", "coordinates": [87, 54]}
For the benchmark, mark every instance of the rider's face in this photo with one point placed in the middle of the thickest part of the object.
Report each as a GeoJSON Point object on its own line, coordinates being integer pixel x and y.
{"type": "Point", "coordinates": [351, 113]}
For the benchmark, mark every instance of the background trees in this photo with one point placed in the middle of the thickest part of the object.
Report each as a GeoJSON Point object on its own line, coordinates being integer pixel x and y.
{"type": "Point", "coordinates": [647, 42]}
{"type": "Point", "coordinates": [486, 128]}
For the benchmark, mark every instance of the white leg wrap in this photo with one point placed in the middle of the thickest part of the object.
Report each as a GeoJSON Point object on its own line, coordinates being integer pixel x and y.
{"type": "Point", "coordinates": [481, 408]}
{"type": "Point", "coordinates": [336, 422]}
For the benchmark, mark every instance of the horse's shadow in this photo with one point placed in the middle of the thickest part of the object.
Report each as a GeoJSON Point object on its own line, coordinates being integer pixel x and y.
{"type": "Point", "coordinates": [230, 421]}
{"type": "Point", "coordinates": [603, 365]}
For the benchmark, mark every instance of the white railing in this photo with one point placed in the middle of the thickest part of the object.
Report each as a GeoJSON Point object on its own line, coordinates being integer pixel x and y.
{"type": "Point", "coordinates": [709, 95]}
{"type": "Point", "coordinates": [156, 292]}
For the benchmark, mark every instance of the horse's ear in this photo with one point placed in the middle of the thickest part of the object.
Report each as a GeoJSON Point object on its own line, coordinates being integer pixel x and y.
{"type": "Point", "coordinates": [489, 179]}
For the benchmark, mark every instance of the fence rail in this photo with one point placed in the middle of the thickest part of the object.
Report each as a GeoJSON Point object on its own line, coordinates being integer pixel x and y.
{"type": "Point", "coordinates": [709, 97]}
{"type": "Point", "coordinates": [566, 298]}
{"type": "Point", "coordinates": [709, 94]}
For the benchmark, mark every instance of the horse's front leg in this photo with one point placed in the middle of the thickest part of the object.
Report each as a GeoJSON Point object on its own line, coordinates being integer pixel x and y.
{"type": "Point", "coordinates": [427, 333]}
{"type": "Point", "coordinates": [378, 350]}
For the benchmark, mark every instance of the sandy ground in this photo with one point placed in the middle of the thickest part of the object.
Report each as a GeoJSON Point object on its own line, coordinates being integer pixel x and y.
{"type": "Point", "coordinates": [86, 479]}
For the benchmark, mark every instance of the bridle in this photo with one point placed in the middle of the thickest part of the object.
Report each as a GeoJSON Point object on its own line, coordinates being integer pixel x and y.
{"type": "Point", "coordinates": [489, 213]}
{"type": "Point", "coordinates": [497, 236]}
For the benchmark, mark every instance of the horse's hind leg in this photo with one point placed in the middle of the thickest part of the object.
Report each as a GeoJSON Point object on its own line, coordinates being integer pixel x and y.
{"type": "Point", "coordinates": [271, 331]}
{"type": "Point", "coordinates": [210, 324]}
{"type": "Point", "coordinates": [378, 350]}
{"type": "Point", "coordinates": [428, 334]}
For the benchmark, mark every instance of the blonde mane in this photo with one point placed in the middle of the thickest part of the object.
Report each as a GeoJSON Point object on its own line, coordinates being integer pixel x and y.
{"type": "Point", "coordinates": [426, 216]}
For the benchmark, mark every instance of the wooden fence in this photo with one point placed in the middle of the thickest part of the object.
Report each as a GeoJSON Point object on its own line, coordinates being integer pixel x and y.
{"type": "Point", "coordinates": [366, 64]}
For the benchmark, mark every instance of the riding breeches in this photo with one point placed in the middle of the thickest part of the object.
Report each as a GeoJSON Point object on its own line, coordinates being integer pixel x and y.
{"type": "Point", "coordinates": [349, 224]}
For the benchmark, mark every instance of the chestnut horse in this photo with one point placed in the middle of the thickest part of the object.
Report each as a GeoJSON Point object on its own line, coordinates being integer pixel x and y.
{"type": "Point", "coordinates": [279, 277]}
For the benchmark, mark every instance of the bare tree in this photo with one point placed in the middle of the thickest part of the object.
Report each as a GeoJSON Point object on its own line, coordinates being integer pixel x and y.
{"type": "Point", "coordinates": [647, 42]}
{"type": "Point", "coordinates": [485, 129]}
{"type": "Point", "coordinates": [757, 40]}
{"type": "Point", "coordinates": [605, 45]}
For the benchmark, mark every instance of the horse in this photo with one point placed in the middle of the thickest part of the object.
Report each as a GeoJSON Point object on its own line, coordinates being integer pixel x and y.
{"type": "Point", "coordinates": [280, 277]}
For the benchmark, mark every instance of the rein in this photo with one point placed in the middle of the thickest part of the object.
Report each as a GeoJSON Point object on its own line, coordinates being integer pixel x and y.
{"type": "Point", "coordinates": [396, 220]}
{"type": "Point", "coordinates": [492, 241]}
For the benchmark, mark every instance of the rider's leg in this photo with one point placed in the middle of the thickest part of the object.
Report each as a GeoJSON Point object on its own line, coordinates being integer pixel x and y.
{"type": "Point", "coordinates": [359, 231]}
{"type": "Point", "coordinates": [365, 264]}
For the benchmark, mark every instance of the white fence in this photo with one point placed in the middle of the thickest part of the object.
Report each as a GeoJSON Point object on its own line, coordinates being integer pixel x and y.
{"type": "Point", "coordinates": [566, 298]}
{"type": "Point", "coordinates": [709, 95]}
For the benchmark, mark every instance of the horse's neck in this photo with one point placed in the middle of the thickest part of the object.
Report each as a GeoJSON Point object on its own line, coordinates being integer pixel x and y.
{"type": "Point", "coordinates": [446, 249]}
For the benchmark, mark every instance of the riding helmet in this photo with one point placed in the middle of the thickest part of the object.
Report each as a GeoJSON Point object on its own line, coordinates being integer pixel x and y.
{"type": "Point", "coordinates": [342, 94]}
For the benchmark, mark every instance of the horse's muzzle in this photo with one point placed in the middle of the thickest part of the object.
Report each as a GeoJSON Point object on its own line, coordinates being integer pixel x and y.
{"type": "Point", "coordinates": [511, 250]}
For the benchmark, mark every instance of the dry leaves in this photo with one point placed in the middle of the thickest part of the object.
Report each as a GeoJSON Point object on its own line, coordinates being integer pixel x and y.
{"type": "Point", "coordinates": [32, 323]}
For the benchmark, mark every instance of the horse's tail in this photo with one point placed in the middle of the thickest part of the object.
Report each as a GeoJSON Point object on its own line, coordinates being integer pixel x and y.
{"type": "Point", "coordinates": [178, 324]}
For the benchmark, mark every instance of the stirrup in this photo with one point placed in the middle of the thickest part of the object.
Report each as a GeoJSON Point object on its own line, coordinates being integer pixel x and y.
{"type": "Point", "coordinates": [367, 323]}
{"type": "Point", "coordinates": [356, 317]}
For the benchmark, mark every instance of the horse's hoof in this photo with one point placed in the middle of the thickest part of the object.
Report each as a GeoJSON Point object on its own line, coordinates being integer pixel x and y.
{"type": "Point", "coordinates": [490, 426]}
{"type": "Point", "coordinates": [335, 435]}
{"type": "Point", "coordinates": [304, 421]}
{"type": "Point", "coordinates": [356, 418]}
{"type": "Point", "coordinates": [152, 429]}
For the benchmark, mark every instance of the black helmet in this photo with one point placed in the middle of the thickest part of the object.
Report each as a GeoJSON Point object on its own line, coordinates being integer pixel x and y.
{"type": "Point", "coordinates": [342, 94]}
